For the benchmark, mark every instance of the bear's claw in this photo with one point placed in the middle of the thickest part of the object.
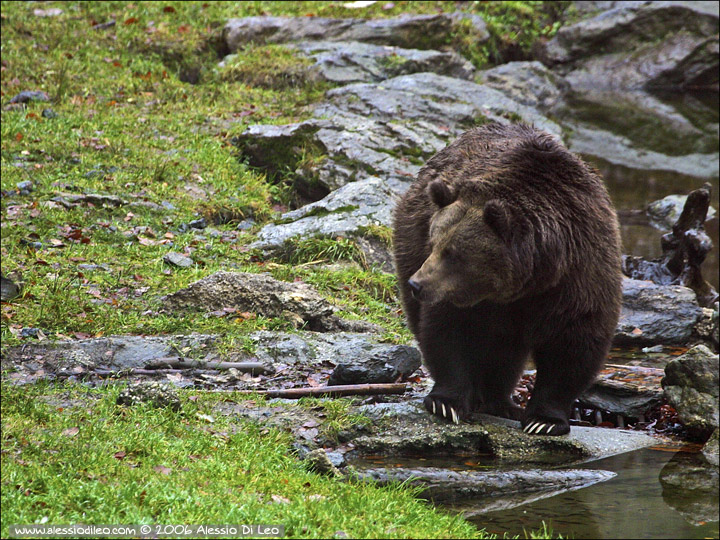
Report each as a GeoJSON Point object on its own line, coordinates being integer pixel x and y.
{"type": "Point", "coordinates": [446, 411]}
{"type": "Point", "coordinates": [535, 427]}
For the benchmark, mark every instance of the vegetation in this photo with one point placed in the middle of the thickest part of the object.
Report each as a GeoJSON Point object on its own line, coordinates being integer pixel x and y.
{"type": "Point", "coordinates": [73, 456]}
{"type": "Point", "coordinates": [130, 153]}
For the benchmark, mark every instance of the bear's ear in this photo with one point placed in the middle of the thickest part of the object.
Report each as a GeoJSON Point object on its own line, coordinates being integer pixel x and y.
{"type": "Point", "coordinates": [440, 193]}
{"type": "Point", "coordinates": [499, 217]}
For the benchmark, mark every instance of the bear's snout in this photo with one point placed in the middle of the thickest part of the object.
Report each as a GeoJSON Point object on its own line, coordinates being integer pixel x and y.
{"type": "Point", "coordinates": [415, 288]}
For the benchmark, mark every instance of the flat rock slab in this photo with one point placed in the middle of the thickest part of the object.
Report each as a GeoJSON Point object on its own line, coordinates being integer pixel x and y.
{"type": "Point", "coordinates": [410, 31]}
{"type": "Point", "coordinates": [113, 353]}
{"type": "Point", "coordinates": [407, 429]}
{"type": "Point", "coordinates": [446, 486]}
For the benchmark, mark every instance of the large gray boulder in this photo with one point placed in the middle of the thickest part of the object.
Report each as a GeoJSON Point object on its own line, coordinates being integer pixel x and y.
{"type": "Point", "coordinates": [386, 129]}
{"type": "Point", "coordinates": [351, 211]}
{"type": "Point", "coordinates": [436, 99]}
{"type": "Point", "coordinates": [346, 62]}
{"type": "Point", "coordinates": [529, 83]}
{"type": "Point", "coordinates": [640, 45]}
{"type": "Point", "coordinates": [259, 294]}
{"type": "Point", "coordinates": [691, 386]}
{"type": "Point", "coordinates": [409, 30]}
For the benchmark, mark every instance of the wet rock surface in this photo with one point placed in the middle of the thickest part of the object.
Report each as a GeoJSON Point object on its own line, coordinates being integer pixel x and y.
{"type": "Point", "coordinates": [630, 391]}
{"type": "Point", "coordinates": [444, 486]}
{"type": "Point", "coordinates": [690, 486]}
{"type": "Point", "coordinates": [654, 313]}
{"type": "Point", "coordinates": [691, 386]}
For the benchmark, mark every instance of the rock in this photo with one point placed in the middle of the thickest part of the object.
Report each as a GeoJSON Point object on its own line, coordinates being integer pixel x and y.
{"type": "Point", "coordinates": [690, 486]}
{"type": "Point", "coordinates": [263, 295]}
{"type": "Point", "coordinates": [652, 314]}
{"type": "Point", "coordinates": [26, 96]}
{"type": "Point", "coordinates": [665, 212]}
{"type": "Point", "coordinates": [256, 293]}
{"type": "Point", "coordinates": [8, 289]}
{"type": "Point", "coordinates": [529, 83]}
{"type": "Point", "coordinates": [178, 259]}
{"type": "Point", "coordinates": [383, 129]}
{"type": "Point", "coordinates": [398, 429]}
{"type": "Point", "coordinates": [395, 363]}
{"type": "Point", "coordinates": [347, 212]}
{"type": "Point", "coordinates": [443, 486]}
{"type": "Point", "coordinates": [630, 391]}
{"type": "Point", "coordinates": [316, 350]}
{"type": "Point", "coordinates": [114, 353]}
{"type": "Point", "coordinates": [711, 450]}
{"type": "Point", "coordinates": [319, 462]}
{"type": "Point", "coordinates": [649, 45]}
{"type": "Point", "coordinates": [691, 386]}
{"type": "Point", "coordinates": [49, 113]}
{"type": "Point", "coordinates": [707, 327]}
{"type": "Point", "coordinates": [443, 101]}
{"type": "Point", "coordinates": [156, 394]}
{"type": "Point", "coordinates": [349, 62]}
{"type": "Point", "coordinates": [409, 31]}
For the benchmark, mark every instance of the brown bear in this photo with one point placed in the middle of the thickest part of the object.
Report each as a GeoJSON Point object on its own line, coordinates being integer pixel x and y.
{"type": "Point", "coordinates": [507, 248]}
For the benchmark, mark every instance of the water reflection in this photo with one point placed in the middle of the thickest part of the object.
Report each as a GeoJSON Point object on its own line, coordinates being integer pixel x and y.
{"type": "Point", "coordinates": [632, 505]}
{"type": "Point", "coordinates": [632, 190]}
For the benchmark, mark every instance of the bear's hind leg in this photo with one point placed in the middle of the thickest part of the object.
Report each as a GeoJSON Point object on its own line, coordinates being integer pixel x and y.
{"type": "Point", "coordinates": [497, 372]}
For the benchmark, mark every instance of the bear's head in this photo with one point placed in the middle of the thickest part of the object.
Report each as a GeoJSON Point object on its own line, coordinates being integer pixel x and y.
{"type": "Point", "coordinates": [481, 249]}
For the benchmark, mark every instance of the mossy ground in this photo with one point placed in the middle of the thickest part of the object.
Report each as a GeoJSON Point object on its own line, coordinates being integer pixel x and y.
{"type": "Point", "coordinates": [140, 111]}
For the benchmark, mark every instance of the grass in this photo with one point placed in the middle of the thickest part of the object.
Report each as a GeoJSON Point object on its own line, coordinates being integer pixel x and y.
{"type": "Point", "coordinates": [140, 111]}
{"type": "Point", "coordinates": [145, 465]}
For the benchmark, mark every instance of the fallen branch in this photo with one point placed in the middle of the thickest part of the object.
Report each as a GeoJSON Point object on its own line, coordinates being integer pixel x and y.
{"type": "Point", "coordinates": [179, 363]}
{"type": "Point", "coordinates": [331, 391]}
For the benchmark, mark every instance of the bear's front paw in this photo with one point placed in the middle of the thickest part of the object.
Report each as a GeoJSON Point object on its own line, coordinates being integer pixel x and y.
{"type": "Point", "coordinates": [443, 407]}
{"type": "Point", "coordinates": [539, 426]}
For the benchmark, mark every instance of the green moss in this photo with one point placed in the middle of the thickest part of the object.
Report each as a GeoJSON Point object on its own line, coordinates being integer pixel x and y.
{"type": "Point", "coordinates": [269, 66]}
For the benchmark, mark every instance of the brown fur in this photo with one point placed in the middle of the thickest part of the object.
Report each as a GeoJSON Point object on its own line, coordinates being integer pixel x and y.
{"type": "Point", "coordinates": [512, 245]}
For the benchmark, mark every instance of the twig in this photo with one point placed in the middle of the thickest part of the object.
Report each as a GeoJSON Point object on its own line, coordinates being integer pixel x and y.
{"type": "Point", "coordinates": [331, 391]}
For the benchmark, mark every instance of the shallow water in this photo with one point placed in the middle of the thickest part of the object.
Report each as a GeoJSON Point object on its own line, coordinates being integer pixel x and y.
{"type": "Point", "coordinates": [631, 190]}
{"type": "Point", "coordinates": [652, 124]}
{"type": "Point", "coordinates": [632, 505]}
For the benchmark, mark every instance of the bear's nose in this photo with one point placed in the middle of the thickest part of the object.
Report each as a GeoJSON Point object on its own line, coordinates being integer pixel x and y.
{"type": "Point", "coordinates": [415, 287]}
